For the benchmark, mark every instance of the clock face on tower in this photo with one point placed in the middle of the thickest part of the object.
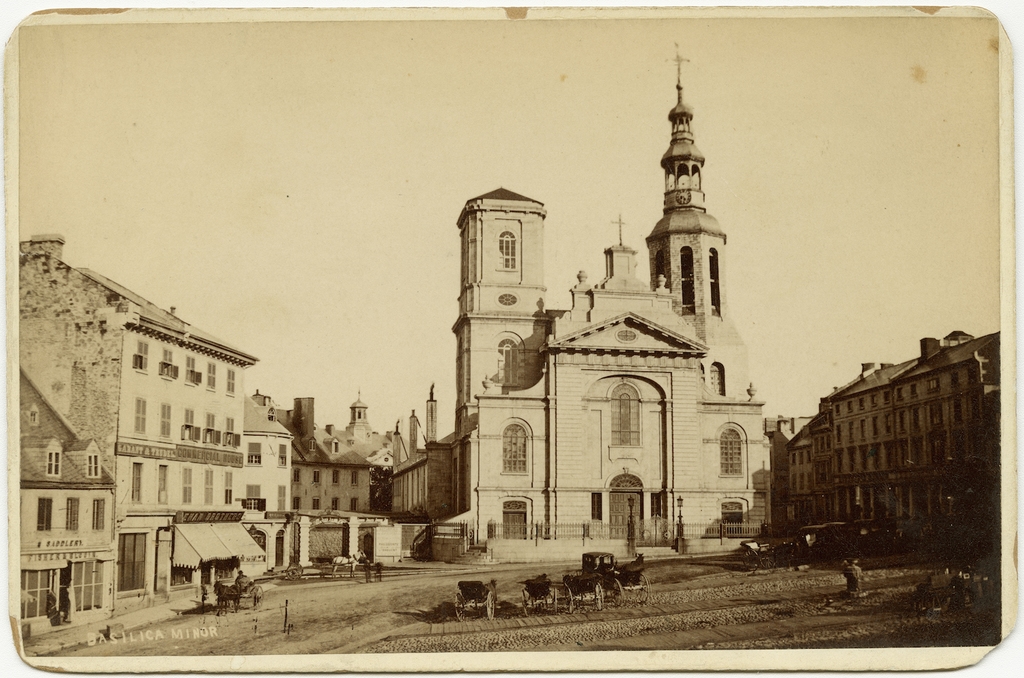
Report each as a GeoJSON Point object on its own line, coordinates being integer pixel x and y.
{"type": "Point", "coordinates": [682, 198]}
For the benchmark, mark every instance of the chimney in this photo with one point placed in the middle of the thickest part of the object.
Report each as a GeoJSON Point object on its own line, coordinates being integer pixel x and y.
{"type": "Point", "coordinates": [414, 433]}
{"type": "Point", "coordinates": [929, 347]}
{"type": "Point", "coordinates": [330, 429]}
{"type": "Point", "coordinates": [866, 368]}
{"type": "Point", "coordinates": [50, 244]}
{"type": "Point", "coordinates": [303, 417]}
{"type": "Point", "coordinates": [431, 432]}
{"type": "Point", "coordinates": [884, 366]}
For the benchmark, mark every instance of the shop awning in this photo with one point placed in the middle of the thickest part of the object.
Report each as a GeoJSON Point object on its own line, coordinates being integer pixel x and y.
{"type": "Point", "coordinates": [195, 543]}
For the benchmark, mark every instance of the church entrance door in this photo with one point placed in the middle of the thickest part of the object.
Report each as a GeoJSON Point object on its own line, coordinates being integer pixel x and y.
{"type": "Point", "coordinates": [619, 513]}
{"type": "Point", "coordinates": [513, 518]}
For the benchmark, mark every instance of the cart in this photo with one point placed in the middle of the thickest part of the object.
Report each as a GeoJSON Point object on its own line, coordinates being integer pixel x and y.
{"type": "Point", "coordinates": [584, 588]}
{"type": "Point", "coordinates": [765, 556]}
{"type": "Point", "coordinates": [539, 595]}
{"type": "Point", "coordinates": [626, 584]}
{"type": "Point", "coordinates": [476, 595]}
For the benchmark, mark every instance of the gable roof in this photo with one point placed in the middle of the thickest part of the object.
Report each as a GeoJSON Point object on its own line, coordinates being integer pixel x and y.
{"type": "Point", "coordinates": [879, 377]}
{"type": "Point", "coordinates": [951, 355]}
{"type": "Point", "coordinates": [504, 194]}
{"type": "Point", "coordinates": [674, 341]}
{"type": "Point", "coordinates": [257, 421]}
{"type": "Point", "coordinates": [158, 317]}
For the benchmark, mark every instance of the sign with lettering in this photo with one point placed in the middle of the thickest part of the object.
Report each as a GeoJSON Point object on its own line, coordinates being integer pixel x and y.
{"type": "Point", "coordinates": [208, 516]}
{"type": "Point", "coordinates": [200, 455]}
{"type": "Point", "coordinates": [388, 541]}
{"type": "Point", "coordinates": [76, 555]}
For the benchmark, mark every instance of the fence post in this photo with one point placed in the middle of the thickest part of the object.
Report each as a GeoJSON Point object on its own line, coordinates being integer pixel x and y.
{"type": "Point", "coordinates": [721, 533]}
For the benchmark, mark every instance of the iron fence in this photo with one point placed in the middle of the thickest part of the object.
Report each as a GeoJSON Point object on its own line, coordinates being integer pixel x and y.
{"type": "Point", "coordinates": [648, 532]}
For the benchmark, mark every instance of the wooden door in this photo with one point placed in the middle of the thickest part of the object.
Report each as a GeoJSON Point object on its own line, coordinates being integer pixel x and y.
{"type": "Point", "coordinates": [618, 513]}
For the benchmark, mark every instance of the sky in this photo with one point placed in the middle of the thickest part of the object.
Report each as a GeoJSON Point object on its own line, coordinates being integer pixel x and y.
{"type": "Point", "coordinates": [294, 189]}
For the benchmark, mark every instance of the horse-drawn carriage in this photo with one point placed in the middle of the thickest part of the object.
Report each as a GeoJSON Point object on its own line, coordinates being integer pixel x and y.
{"type": "Point", "coordinates": [540, 594]}
{"type": "Point", "coordinates": [229, 592]}
{"type": "Point", "coordinates": [767, 556]}
{"type": "Point", "coordinates": [625, 584]}
{"type": "Point", "coordinates": [476, 595]}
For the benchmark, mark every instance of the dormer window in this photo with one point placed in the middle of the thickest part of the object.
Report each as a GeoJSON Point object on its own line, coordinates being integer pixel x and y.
{"type": "Point", "coordinates": [271, 415]}
{"type": "Point", "coordinates": [334, 446]}
{"type": "Point", "coordinates": [312, 444]}
{"type": "Point", "coordinates": [33, 416]}
{"type": "Point", "coordinates": [92, 467]}
{"type": "Point", "coordinates": [53, 463]}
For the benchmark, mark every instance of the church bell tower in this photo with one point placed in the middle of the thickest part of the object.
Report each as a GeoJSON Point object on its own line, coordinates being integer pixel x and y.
{"type": "Point", "coordinates": [687, 246]}
{"type": "Point", "coordinates": [502, 321]}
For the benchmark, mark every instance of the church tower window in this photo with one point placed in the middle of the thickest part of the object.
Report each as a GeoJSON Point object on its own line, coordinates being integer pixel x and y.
{"type": "Point", "coordinates": [513, 446]}
{"type": "Point", "coordinates": [686, 275]}
{"type": "Point", "coordinates": [716, 295]}
{"type": "Point", "coordinates": [509, 362]}
{"type": "Point", "coordinates": [625, 416]}
{"type": "Point", "coordinates": [717, 384]}
{"type": "Point", "coordinates": [659, 264]}
{"type": "Point", "coordinates": [732, 453]}
{"type": "Point", "coordinates": [507, 249]}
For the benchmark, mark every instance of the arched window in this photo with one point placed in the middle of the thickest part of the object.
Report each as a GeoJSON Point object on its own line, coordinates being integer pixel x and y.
{"type": "Point", "coordinates": [625, 416]}
{"type": "Point", "coordinates": [507, 249]}
{"type": "Point", "coordinates": [683, 172]}
{"type": "Point", "coordinates": [717, 384]}
{"type": "Point", "coordinates": [659, 264]}
{"type": "Point", "coordinates": [695, 181]}
{"type": "Point", "coordinates": [686, 275]}
{"type": "Point", "coordinates": [509, 362]}
{"type": "Point", "coordinates": [670, 181]}
{"type": "Point", "coordinates": [732, 453]}
{"type": "Point", "coordinates": [513, 449]}
{"type": "Point", "coordinates": [716, 295]}
{"type": "Point", "coordinates": [271, 415]}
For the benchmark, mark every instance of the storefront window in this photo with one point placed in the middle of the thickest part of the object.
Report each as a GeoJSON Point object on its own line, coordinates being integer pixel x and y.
{"type": "Point", "coordinates": [87, 580]}
{"type": "Point", "coordinates": [131, 562]}
{"type": "Point", "coordinates": [181, 576]}
{"type": "Point", "coordinates": [35, 585]}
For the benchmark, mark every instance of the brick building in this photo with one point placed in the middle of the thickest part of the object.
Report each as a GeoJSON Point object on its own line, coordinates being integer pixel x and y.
{"type": "Point", "coordinates": [267, 475]}
{"type": "Point", "coordinates": [164, 402]}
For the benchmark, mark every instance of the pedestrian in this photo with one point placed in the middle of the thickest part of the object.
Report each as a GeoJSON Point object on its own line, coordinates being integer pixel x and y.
{"type": "Point", "coordinates": [853, 573]}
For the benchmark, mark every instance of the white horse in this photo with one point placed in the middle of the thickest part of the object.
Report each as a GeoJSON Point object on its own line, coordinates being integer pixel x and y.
{"type": "Point", "coordinates": [347, 560]}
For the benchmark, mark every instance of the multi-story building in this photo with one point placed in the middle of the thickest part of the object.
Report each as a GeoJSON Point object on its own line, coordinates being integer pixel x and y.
{"type": "Point", "coordinates": [779, 431]}
{"type": "Point", "coordinates": [266, 476]}
{"type": "Point", "coordinates": [634, 405]}
{"type": "Point", "coordinates": [67, 535]}
{"type": "Point", "coordinates": [911, 439]}
{"type": "Point", "coordinates": [164, 402]}
{"type": "Point", "coordinates": [327, 472]}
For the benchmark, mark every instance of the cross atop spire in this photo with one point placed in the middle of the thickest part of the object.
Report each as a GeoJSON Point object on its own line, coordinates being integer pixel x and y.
{"type": "Point", "coordinates": [679, 72]}
{"type": "Point", "coordinates": [620, 223]}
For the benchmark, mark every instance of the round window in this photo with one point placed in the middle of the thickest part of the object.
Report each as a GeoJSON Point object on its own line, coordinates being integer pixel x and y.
{"type": "Point", "coordinates": [626, 336]}
{"type": "Point", "coordinates": [508, 300]}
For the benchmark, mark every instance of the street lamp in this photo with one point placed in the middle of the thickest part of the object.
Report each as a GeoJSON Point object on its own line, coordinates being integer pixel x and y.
{"type": "Point", "coordinates": [631, 529]}
{"type": "Point", "coordinates": [679, 519]}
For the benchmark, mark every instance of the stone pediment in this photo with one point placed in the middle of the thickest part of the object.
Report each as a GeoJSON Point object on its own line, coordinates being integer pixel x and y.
{"type": "Point", "coordinates": [629, 333]}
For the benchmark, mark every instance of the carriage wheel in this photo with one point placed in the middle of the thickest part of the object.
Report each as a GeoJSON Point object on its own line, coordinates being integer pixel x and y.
{"type": "Point", "coordinates": [526, 603]}
{"type": "Point", "coordinates": [599, 596]}
{"type": "Point", "coordinates": [293, 572]}
{"type": "Point", "coordinates": [769, 560]}
{"type": "Point", "coordinates": [489, 605]}
{"type": "Point", "coordinates": [618, 594]}
{"type": "Point", "coordinates": [644, 592]}
{"type": "Point", "coordinates": [750, 559]}
{"type": "Point", "coordinates": [460, 606]}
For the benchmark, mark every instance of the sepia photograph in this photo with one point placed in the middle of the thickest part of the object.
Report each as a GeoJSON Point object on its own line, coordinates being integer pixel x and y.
{"type": "Point", "coordinates": [550, 339]}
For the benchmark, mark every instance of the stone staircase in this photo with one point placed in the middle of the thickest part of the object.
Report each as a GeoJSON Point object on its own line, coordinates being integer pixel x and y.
{"type": "Point", "coordinates": [475, 555]}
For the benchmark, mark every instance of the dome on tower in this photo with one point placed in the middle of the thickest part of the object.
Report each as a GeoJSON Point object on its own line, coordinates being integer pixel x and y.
{"type": "Point", "coordinates": [686, 221]}
{"type": "Point", "coordinates": [358, 403]}
{"type": "Point", "coordinates": [680, 110]}
{"type": "Point", "coordinates": [683, 148]}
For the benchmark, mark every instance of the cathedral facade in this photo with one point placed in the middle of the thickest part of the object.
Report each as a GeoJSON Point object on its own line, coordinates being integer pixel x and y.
{"type": "Point", "coordinates": [635, 404]}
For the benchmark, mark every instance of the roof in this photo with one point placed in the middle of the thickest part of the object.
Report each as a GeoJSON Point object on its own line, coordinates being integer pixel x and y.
{"type": "Point", "coordinates": [504, 194]}
{"type": "Point", "coordinates": [687, 220]}
{"type": "Point", "coordinates": [257, 419]}
{"type": "Point", "coordinates": [346, 456]}
{"type": "Point", "coordinates": [51, 432]}
{"type": "Point", "coordinates": [951, 355]}
{"type": "Point", "coordinates": [873, 380]}
{"type": "Point", "coordinates": [158, 316]}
